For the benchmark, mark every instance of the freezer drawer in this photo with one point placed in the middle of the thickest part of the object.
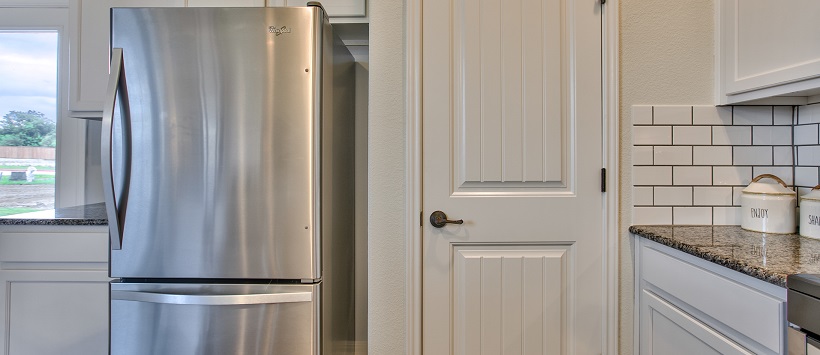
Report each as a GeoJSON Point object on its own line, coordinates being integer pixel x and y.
{"type": "Point", "coordinates": [214, 319]}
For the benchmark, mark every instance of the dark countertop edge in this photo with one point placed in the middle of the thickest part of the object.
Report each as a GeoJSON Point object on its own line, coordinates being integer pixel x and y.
{"type": "Point", "coordinates": [53, 222]}
{"type": "Point", "coordinates": [85, 215]}
{"type": "Point", "coordinates": [733, 264]}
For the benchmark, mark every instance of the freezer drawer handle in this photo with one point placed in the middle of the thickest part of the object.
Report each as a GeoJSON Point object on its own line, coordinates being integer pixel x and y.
{"type": "Point", "coordinates": [211, 300]}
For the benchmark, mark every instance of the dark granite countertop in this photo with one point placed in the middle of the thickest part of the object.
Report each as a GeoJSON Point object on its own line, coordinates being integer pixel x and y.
{"type": "Point", "coordinates": [768, 257]}
{"type": "Point", "coordinates": [86, 215]}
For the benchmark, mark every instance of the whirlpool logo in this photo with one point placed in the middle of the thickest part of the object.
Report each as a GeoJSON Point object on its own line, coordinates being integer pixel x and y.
{"type": "Point", "coordinates": [278, 30]}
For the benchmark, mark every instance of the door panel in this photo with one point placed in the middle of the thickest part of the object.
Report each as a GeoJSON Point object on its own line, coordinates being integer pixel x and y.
{"type": "Point", "coordinates": [510, 298]}
{"type": "Point", "coordinates": [512, 145]}
{"type": "Point", "coordinates": [224, 179]}
{"type": "Point", "coordinates": [509, 95]}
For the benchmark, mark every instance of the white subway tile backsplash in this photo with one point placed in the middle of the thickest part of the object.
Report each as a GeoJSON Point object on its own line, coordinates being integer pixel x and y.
{"type": "Point", "coordinates": [641, 115]}
{"type": "Point", "coordinates": [731, 135]}
{"type": "Point", "coordinates": [711, 115]}
{"type": "Point", "coordinates": [752, 156]}
{"type": "Point", "coordinates": [642, 155]}
{"type": "Point", "coordinates": [691, 163]}
{"type": "Point", "coordinates": [691, 175]}
{"type": "Point", "coordinates": [652, 135]}
{"type": "Point", "coordinates": [642, 195]}
{"type": "Point", "coordinates": [808, 155]}
{"type": "Point", "coordinates": [732, 175]}
{"type": "Point", "coordinates": [672, 115]}
{"type": "Point", "coordinates": [691, 135]}
{"type": "Point", "coordinates": [736, 192]}
{"type": "Point", "coordinates": [783, 156]}
{"type": "Point", "coordinates": [692, 215]}
{"type": "Point", "coordinates": [713, 196]}
{"type": "Point", "coordinates": [752, 115]}
{"type": "Point", "coordinates": [652, 215]}
{"type": "Point", "coordinates": [652, 175]}
{"type": "Point", "coordinates": [673, 196]}
{"type": "Point", "coordinates": [673, 155]}
{"type": "Point", "coordinates": [726, 216]}
{"type": "Point", "coordinates": [783, 115]}
{"type": "Point", "coordinates": [783, 172]}
{"type": "Point", "coordinates": [808, 114]}
{"type": "Point", "coordinates": [772, 135]}
{"type": "Point", "coordinates": [712, 155]}
{"type": "Point", "coordinates": [805, 134]}
{"type": "Point", "coordinates": [806, 176]}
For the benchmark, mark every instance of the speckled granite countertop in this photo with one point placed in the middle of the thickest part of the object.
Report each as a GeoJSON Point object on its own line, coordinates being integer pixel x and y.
{"type": "Point", "coordinates": [769, 257]}
{"type": "Point", "coordinates": [86, 215]}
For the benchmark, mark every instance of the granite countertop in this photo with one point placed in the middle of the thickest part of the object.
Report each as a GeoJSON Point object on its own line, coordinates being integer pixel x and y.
{"type": "Point", "coordinates": [86, 215]}
{"type": "Point", "coordinates": [768, 257]}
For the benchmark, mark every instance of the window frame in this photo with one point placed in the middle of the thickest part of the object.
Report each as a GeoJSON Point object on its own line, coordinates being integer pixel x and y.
{"type": "Point", "coordinates": [70, 157]}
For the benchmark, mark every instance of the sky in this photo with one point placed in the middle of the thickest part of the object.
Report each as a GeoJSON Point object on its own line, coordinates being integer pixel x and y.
{"type": "Point", "coordinates": [28, 72]}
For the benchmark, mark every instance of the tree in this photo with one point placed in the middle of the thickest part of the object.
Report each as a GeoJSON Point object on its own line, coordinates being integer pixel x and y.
{"type": "Point", "coordinates": [31, 128]}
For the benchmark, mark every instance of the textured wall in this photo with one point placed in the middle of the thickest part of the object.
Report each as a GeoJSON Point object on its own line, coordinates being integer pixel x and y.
{"type": "Point", "coordinates": [386, 176]}
{"type": "Point", "coordinates": [666, 58]}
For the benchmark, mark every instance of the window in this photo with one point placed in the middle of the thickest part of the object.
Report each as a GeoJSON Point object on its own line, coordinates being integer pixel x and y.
{"type": "Point", "coordinates": [42, 161]}
{"type": "Point", "coordinates": [28, 117]}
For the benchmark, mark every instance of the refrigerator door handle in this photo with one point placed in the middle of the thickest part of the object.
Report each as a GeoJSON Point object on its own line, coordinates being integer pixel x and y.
{"type": "Point", "coordinates": [211, 300]}
{"type": "Point", "coordinates": [115, 207]}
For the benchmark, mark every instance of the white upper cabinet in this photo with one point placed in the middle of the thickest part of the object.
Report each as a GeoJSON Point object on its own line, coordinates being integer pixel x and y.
{"type": "Point", "coordinates": [226, 3]}
{"type": "Point", "coordinates": [88, 74]}
{"type": "Point", "coordinates": [768, 50]}
{"type": "Point", "coordinates": [90, 26]}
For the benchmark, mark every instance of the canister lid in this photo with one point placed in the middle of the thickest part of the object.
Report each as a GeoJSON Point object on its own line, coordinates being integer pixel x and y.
{"type": "Point", "coordinates": [764, 188]}
{"type": "Point", "coordinates": [813, 195]}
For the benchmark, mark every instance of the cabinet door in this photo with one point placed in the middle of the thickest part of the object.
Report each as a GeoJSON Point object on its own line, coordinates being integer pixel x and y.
{"type": "Point", "coordinates": [666, 330]}
{"type": "Point", "coordinates": [90, 25]}
{"type": "Point", "coordinates": [226, 3]}
{"type": "Point", "coordinates": [53, 290]}
{"type": "Point", "coordinates": [334, 8]}
{"type": "Point", "coordinates": [765, 43]}
{"type": "Point", "coordinates": [61, 312]}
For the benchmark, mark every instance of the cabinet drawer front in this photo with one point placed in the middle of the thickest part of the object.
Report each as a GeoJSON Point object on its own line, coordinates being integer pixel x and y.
{"type": "Point", "coordinates": [54, 247]}
{"type": "Point", "coordinates": [728, 302]}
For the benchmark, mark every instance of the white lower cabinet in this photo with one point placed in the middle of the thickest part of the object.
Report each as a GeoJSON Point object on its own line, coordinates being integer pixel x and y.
{"type": "Point", "coordinates": [686, 305]}
{"type": "Point", "coordinates": [665, 329]}
{"type": "Point", "coordinates": [54, 290]}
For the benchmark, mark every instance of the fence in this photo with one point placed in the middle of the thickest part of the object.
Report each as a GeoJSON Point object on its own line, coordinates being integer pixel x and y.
{"type": "Point", "coordinates": [27, 153]}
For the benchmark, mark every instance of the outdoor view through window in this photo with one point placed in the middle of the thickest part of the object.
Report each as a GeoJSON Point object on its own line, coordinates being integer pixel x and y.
{"type": "Point", "coordinates": [28, 116]}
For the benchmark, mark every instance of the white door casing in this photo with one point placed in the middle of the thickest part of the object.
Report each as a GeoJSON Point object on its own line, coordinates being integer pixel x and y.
{"type": "Point", "coordinates": [512, 144]}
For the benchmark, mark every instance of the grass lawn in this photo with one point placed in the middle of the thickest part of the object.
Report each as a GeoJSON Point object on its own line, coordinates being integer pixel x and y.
{"type": "Point", "coordinates": [24, 167]}
{"type": "Point", "coordinates": [39, 179]}
{"type": "Point", "coordinates": [5, 211]}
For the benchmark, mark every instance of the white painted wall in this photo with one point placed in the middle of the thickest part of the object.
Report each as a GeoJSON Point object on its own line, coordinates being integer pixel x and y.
{"type": "Point", "coordinates": [666, 58]}
{"type": "Point", "coordinates": [387, 267]}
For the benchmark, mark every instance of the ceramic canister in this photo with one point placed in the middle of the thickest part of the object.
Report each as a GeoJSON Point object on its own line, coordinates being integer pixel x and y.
{"type": "Point", "coordinates": [810, 213]}
{"type": "Point", "coordinates": [768, 207]}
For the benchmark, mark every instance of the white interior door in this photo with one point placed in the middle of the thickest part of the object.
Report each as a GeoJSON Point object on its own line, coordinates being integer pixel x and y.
{"type": "Point", "coordinates": [513, 146]}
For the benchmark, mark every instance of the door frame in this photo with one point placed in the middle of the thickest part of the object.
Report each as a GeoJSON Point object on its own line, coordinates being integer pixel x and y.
{"type": "Point", "coordinates": [413, 175]}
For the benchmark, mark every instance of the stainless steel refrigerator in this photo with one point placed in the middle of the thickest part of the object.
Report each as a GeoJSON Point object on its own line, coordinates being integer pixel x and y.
{"type": "Point", "coordinates": [227, 155]}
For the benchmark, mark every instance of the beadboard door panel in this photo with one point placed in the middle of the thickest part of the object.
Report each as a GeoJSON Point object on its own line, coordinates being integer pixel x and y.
{"type": "Point", "coordinates": [512, 298]}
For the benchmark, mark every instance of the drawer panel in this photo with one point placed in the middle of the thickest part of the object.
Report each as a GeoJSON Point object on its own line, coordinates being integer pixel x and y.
{"type": "Point", "coordinates": [54, 247]}
{"type": "Point", "coordinates": [747, 311]}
